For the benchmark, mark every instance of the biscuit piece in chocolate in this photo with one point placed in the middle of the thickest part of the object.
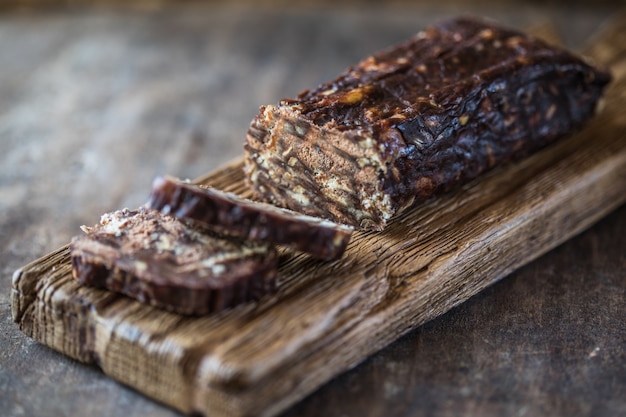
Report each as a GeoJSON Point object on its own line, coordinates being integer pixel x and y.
{"type": "Point", "coordinates": [417, 119]}
{"type": "Point", "coordinates": [171, 264]}
{"type": "Point", "coordinates": [251, 220]}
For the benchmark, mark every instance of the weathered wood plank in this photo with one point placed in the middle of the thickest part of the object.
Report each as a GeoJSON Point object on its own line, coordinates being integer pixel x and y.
{"type": "Point", "coordinates": [328, 316]}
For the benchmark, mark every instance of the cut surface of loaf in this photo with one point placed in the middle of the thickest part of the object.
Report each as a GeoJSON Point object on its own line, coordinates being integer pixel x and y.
{"type": "Point", "coordinates": [416, 120]}
{"type": "Point", "coordinates": [171, 264]}
{"type": "Point", "coordinates": [236, 216]}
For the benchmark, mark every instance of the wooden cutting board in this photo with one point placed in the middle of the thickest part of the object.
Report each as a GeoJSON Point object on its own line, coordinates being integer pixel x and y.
{"type": "Point", "coordinates": [327, 317]}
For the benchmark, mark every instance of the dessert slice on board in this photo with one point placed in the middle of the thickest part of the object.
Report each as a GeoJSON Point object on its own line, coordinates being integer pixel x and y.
{"type": "Point", "coordinates": [172, 264]}
{"type": "Point", "coordinates": [236, 216]}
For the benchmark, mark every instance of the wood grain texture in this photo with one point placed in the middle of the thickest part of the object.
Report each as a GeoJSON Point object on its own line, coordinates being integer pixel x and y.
{"type": "Point", "coordinates": [327, 317]}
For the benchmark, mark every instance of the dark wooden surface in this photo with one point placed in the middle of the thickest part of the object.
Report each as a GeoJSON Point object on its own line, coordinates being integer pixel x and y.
{"type": "Point", "coordinates": [95, 103]}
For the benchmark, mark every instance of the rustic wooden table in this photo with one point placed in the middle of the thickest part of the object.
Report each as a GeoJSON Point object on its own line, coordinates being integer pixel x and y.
{"type": "Point", "coordinates": [95, 103]}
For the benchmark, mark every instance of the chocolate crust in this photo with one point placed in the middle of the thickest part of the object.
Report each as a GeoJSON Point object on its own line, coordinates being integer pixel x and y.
{"type": "Point", "coordinates": [416, 120]}
{"type": "Point", "coordinates": [172, 265]}
{"type": "Point", "coordinates": [246, 219]}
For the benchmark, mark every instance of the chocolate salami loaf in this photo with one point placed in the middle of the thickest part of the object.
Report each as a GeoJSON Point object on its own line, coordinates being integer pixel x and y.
{"type": "Point", "coordinates": [418, 119]}
{"type": "Point", "coordinates": [247, 219]}
{"type": "Point", "coordinates": [171, 264]}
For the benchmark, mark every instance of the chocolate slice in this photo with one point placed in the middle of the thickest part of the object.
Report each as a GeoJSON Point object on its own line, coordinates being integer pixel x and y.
{"type": "Point", "coordinates": [416, 120]}
{"type": "Point", "coordinates": [171, 264]}
{"type": "Point", "coordinates": [236, 216]}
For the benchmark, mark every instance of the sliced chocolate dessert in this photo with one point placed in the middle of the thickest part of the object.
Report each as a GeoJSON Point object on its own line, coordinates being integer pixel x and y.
{"type": "Point", "coordinates": [236, 216]}
{"type": "Point", "coordinates": [172, 264]}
